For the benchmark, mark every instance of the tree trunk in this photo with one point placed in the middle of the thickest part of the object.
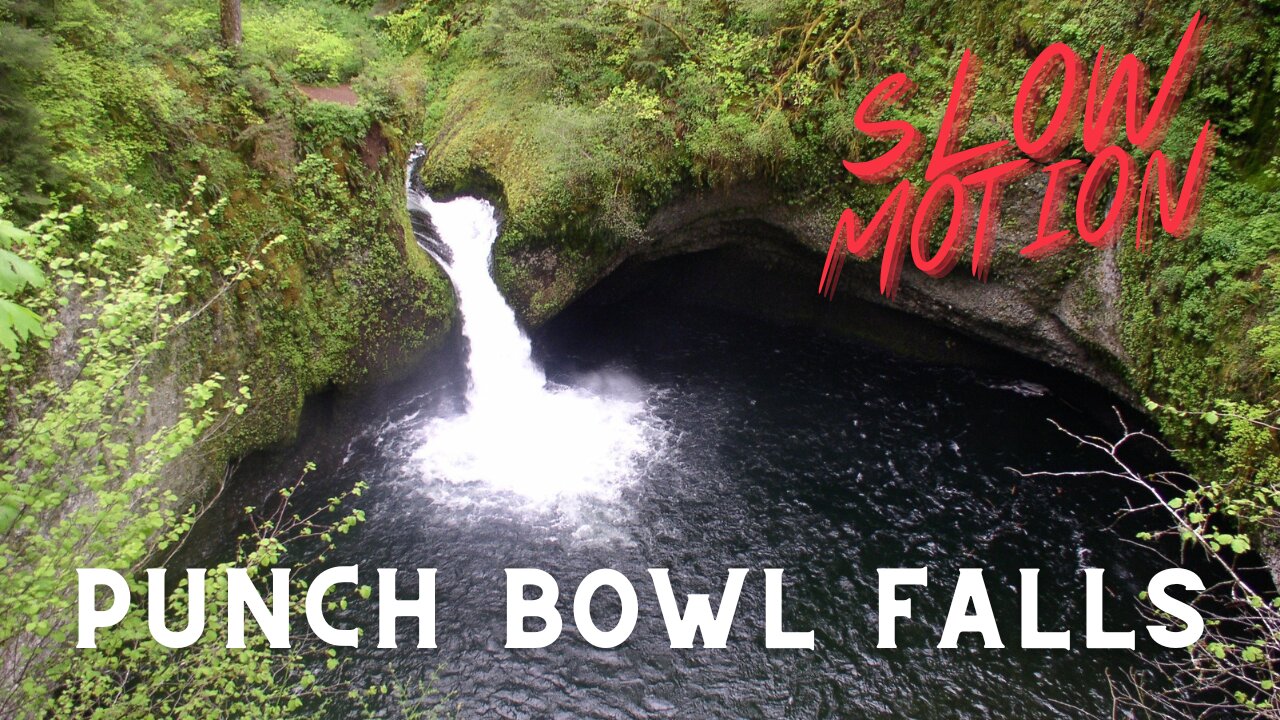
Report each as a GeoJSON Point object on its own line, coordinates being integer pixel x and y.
{"type": "Point", "coordinates": [231, 35]}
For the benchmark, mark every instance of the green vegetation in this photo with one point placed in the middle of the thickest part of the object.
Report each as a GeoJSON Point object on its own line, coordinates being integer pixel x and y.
{"type": "Point", "coordinates": [590, 115]}
{"type": "Point", "coordinates": [128, 675]}
{"type": "Point", "coordinates": [119, 104]}
{"type": "Point", "coordinates": [85, 452]}
{"type": "Point", "coordinates": [132, 338]}
{"type": "Point", "coordinates": [582, 117]}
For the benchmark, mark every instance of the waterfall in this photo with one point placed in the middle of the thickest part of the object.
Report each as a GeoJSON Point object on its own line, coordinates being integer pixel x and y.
{"type": "Point", "coordinates": [519, 434]}
{"type": "Point", "coordinates": [501, 367]}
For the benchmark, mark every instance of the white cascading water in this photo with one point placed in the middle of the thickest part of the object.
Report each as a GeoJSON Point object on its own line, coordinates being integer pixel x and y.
{"type": "Point", "coordinates": [518, 434]}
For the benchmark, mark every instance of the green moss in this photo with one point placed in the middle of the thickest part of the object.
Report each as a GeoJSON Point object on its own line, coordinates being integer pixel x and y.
{"type": "Point", "coordinates": [580, 120]}
{"type": "Point", "coordinates": [590, 116]}
{"type": "Point", "coordinates": [129, 101]}
{"type": "Point", "coordinates": [1197, 314]}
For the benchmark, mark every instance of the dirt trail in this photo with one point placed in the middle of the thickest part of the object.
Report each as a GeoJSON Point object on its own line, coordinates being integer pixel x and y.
{"type": "Point", "coordinates": [341, 94]}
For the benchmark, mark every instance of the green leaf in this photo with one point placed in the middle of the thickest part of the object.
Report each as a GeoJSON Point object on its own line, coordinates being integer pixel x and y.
{"type": "Point", "coordinates": [17, 324]}
{"type": "Point", "coordinates": [11, 233]}
{"type": "Point", "coordinates": [8, 514]}
{"type": "Point", "coordinates": [16, 273]}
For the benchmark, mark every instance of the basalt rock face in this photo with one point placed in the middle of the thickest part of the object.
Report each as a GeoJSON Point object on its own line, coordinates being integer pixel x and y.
{"type": "Point", "coordinates": [1062, 310]}
{"type": "Point", "coordinates": [325, 314]}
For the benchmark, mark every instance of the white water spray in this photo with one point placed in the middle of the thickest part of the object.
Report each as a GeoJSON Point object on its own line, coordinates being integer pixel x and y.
{"type": "Point", "coordinates": [519, 434]}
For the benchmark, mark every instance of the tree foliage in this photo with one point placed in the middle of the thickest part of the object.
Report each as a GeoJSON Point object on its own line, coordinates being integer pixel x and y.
{"type": "Point", "coordinates": [86, 440]}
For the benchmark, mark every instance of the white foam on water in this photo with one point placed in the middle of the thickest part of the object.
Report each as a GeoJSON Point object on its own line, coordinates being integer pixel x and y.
{"type": "Point", "coordinates": [520, 435]}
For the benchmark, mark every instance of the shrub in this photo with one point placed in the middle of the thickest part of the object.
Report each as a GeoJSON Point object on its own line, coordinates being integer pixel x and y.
{"type": "Point", "coordinates": [299, 40]}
